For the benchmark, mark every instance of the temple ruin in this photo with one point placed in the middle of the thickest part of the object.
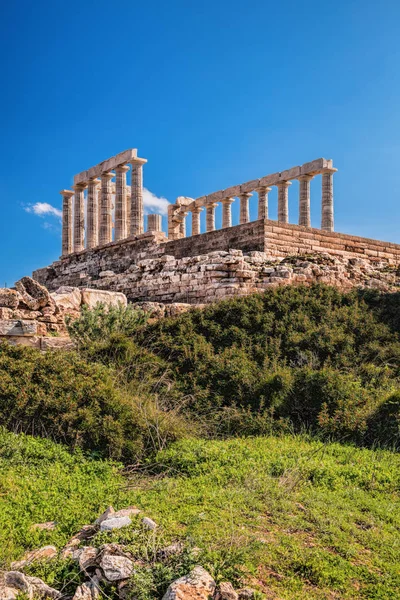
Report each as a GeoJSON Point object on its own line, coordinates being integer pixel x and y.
{"type": "Point", "coordinates": [105, 245]}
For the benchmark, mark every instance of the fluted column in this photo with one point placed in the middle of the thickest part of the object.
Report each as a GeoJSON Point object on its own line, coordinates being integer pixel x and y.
{"type": "Point", "coordinates": [182, 224]}
{"type": "Point", "coordinates": [92, 214]}
{"type": "Point", "coordinates": [120, 220]}
{"type": "Point", "coordinates": [327, 222]}
{"type": "Point", "coordinates": [304, 200]}
{"type": "Point", "coordinates": [67, 240]}
{"type": "Point", "coordinates": [106, 209]}
{"type": "Point", "coordinates": [137, 215]}
{"type": "Point", "coordinates": [227, 212]}
{"type": "Point", "coordinates": [154, 222]}
{"type": "Point", "coordinates": [210, 216]}
{"type": "Point", "coordinates": [244, 207]}
{"type": "Point", "coordinates": [79, 217]}
{"type": "Point", "coordinates": [283, 201]}
{"type": "Point", "coordinates": [196, 220]}
{"type": "Point", "coordinates": [263, 202]}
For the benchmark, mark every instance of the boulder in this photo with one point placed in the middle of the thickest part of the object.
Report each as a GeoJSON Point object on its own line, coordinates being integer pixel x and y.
{"type": "Point", "coordinates": [91, 298]}
{"type": "Point", "coordinates": [67, 298]}
{"type": "Point", "coordinates": [116, 568]}
{"type": "Point", "coordinates": [32, 587]}
{"type": "Point", "coordinates": [197, 585]}
{"type": "Point", "coordinates": [45, 553]}
{"type": "Point", "coordinates": [33, 295]}
{"type": "Point", "coordinates": [86, 557]}
{"type": "Point", "coordinates": [9, 298]}
{"type": "Point", "coordinates": [226, 591]}
{"type": "Point", "coordinates": [115, 523]}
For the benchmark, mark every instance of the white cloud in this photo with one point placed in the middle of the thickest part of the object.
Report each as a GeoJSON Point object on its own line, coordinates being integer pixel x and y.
{"type": "Point", "coordinates": [43, 208]}
{"type": "Point", "coordinates": [153, 203]}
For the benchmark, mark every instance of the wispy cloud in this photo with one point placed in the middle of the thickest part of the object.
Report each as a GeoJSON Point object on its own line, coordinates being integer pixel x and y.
{"type": "Point", "coordinates": [153, 203]}
{"type": "Point", "coordinates": [43, 208]}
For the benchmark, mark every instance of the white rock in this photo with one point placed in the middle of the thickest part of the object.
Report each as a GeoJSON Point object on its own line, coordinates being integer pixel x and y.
{"type": "Point", "coordinates": [116, 567]}
{"type": "Point", "coordinates": [115, 523]}
{"type": "Point", "coordinates": [149, 523]}
{"type": "Point", "coordinates": [68, 298]}
{"type": "Point", "coordinates": [92, 297]}
{"type": "Point", "coordinates": [105, 515]}
{"type": "Point", "coordinates": [198, 584]}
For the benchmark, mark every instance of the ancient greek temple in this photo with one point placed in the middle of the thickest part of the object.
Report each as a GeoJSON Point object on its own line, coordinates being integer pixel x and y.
{"type": "Point", "coordinates": [114, 210]}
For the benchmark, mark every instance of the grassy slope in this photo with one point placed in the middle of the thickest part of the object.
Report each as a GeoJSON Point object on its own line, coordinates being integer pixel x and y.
{"type": "Point", "coordinates": [301, 519]}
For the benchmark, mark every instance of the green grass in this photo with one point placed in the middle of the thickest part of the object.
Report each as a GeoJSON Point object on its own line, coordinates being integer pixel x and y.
{"type": "Point", "coordinates": [294, 518]}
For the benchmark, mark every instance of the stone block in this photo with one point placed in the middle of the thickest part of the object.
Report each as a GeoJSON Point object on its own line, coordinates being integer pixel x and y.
{"type": "Point", "coordinates": [249, 186]}
{"type": "Point", "coordinates": [8, 298]}
{"type": "Point", "coordinates": [315, 166]}
{"type": "Point", "coordinates": [269, 180]}
{"type": "Point", "coordinates": [92, 297]}
{"type": "Point", "coordinates": [18, 327]}
{"type": "Point", "coordinates": [292, 173]}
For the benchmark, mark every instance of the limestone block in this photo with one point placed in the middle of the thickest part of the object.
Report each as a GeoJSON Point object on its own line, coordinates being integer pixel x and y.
{"type": "Point", "coordinates": [292, 173]}
{"type": "Point", "coordinates": [6, 313]}
{"type": "Point", "coordinates": [315, 166]}
{"type": "Point", "coordinates": [269, 180]}
{"type": "Point", "coordinates": [56, 343]}
{"type": "Point", "coordinates": [249, 186]}
{"type": "Point", "coordinates": [8, 298]}
{"type": "Point", "coordinates": [197, 584]}
{"type": "Point", "coordinates": [232, 192]}
{"type": "Point", "coordinates": [33, 295]}
{"type": "Point", "coordinates": [18, 327]}
{"type": "Point", "coordinates": [91, 297]}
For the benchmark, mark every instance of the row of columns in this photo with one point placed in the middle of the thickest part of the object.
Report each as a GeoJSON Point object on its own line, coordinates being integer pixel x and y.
{"type": "Point", "coordinates": [327, 221]}
{"type": "Point", "coordinates": [129, 215]}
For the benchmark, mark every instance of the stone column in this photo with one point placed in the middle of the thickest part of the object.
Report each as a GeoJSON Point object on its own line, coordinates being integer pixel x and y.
{"type": "Point", "coordinates": [263, 202]}
{"type": "Point", "coordinates": [154, 222]}
{"type": "Point", "coordinates": [79, 217]}
{"type": "Point", "coordinates": [210, 216]}
{"type": "Point", "coordinates": [283, 201]}
{"type": "Point", "coordinates": [182, 224]}
{"type": "Point", "coordinates": [196, 220]}
{"type": "Point", "coordinates": [106, 209]}
{"type": "Point", "coordinates": [227, 212]}
{"type": "Point", "coordinates": [137, 216]}
{"type": "Point", "coordinates": [304, 200]}
{"type": "Point", "coordinates": [92, 214]}
{"type": "Point", "coordinates": [327, 200]}
{"type": "Point", "coordinates": [244, 207]}
{"type": "Point", "coordinates": [67, 240]}
{"type": "Point", "coordinates": [120, 220]}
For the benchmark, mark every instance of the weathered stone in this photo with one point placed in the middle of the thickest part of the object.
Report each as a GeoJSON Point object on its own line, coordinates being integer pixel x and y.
{"type": "Point", "coordinates": [115, 523]}
{"type": "Point", "coordinates": [115, 567]}
{"type": "Point", "coordinates": [226, 591]}
{"type": "Point", "coordinates": [149, 523]}
{"type": "Point", "coordinates": [246, 594]}
{"type": "Point", "coordinates": [33, 294]}
{"type": "Point", "coordinates": [127, 512]}
{"type": "Point", "coordinates": [86, 557]}
{"type": "Point", "coordinates": [68, 298]}
{"type": "Point", "coordinates": [48, 526]}
{"type": "Point", "coordinates": [88, 591]}
{"type": "Point", "coordinates": [8, 298]}
{"type": "Point", "coordinates": [45, 553]}
{"type": "Point", "coordinates": [197, 585]}
{"type": "Point", "coordinates": [33, 587]}
{"type": "Point", "coordinates": [105, 515]}
{"type": "Point", "coordinates": [92, 297]}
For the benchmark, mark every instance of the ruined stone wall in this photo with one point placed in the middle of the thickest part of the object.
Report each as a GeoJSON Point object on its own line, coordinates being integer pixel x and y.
{"type": "Point", "coordinates": [227, 262]}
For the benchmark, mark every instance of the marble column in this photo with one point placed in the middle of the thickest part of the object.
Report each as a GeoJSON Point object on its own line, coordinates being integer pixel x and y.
{"type": "Point", "coordinates": [244, 207]}
{"type": "Point", "coordinates": [283, 201]}
{"type": "Point", "coordinates": [137, 215]}
{"type": "Point", "coordinates": [120, 220]}
{"type": "Point", "coordinates": [304, 200]}
{"type": "Point", "coordinates": [210, 216]}
{"type": "Point", "coordinates": [106, 209]}
{"type": "Point", "coordinates": [79, 217]}
{"type": "Point", "coordinates": [182, 224]}
{"type": "Point", "coordinates": [227, 212]}
{"type": "Point", "coordinates": [154, 222]}
{"type": "Point", "coordinates": [327, 222]}
{"type": "Point", "coordinates": [92, 214]}
{"type": "Point", "coordinates": [67, 240]}
{"type": "Point", "coordinates": [263, 202]}
{"type": "Point", "coordinates": [196, 220]}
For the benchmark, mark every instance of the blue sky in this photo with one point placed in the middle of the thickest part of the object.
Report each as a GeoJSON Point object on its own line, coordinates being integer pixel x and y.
{"type": "Point", "coordinates": [212, 93]}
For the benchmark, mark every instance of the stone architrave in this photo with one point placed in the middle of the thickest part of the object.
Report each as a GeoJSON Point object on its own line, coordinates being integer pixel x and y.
{"type": "Point", "coordinates": [227, 212]}
{"type": "Point", "coordinates": [120, 220]}
{"type": "Point", "coordinates": [327, 220]}
{"type": "Point", "coordinates": [304, 200]}
{"type": "Point", "coordinates": [244, 207]}
{"type": "Point", "coordinates": [263, 201]}
{"type": "Point", "coordinates": [79, 217]}
{"type": "Point", "coordinates": [67, 230]}
{"type": "Point", "coordinates": [106, 209]}
{"type": "Point", "coordinates": [283, 201]}
{"type": "Point", "coordinates": [210, 216]}
{"type": "Point", "coordinates": [92, 214]}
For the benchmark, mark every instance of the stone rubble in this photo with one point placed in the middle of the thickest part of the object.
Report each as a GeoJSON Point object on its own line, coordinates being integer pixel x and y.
{"type": "Point", "coordinates": [112, 563]}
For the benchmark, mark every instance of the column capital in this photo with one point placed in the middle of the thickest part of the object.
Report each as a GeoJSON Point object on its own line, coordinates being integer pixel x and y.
{"type": "Point", "coordinates": [263, 189]}
{"type": "Point", "coordinates": [196, 209]}
{"type": "Point", "coordinates": [328, 170]}
{"type": "Point", "coordinates": [107, 175]}
{"type": "Point", "coordinates": [121, 169]}
{"type": "Point", "coordinates": [79, 187]}
{"type": "Point", "coordinates": [228, 200]}
{"type": "Point", "coordinates": [283, 184]}
{"type": "Point", "coordinates": [138, 162]}
{"type": "Point", "coordinates": [305, 177]}
{"type": "Point", "coordinates": [245, 194]}
{"type": "Point", "coordinates": [67, 193]}
{"type": "Point", "coordinates": [94, 181]}
{"type": "Point", "coordinates": [211, 205]}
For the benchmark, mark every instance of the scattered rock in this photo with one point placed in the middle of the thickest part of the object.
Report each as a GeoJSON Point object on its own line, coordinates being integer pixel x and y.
{"type": "Point", "coordinates": [88, 591]}
{"type": "Point", "coordinates": [115, 523]}
{"type": "Point", "coordinates": [149, 523]}
{"type": "Point", "coordinates": [33, 295]}
{"type": "Point", "coordinates": [131, 511]}
{"type": "Point", "coordinates": [47, 552]}
{"type": "Point", "coordinates": [33, 587]}
{"type": "Point", "coordinates": [92, 297]}
{"type": "Point", "coordinates": [106, 515]}
{"type": "Point", "coordinates": [116, 567]}
{"type": "Point", "coordinates": [197, 585]}
{"type": "Point", "coordinates": [246, 594]}
{"type": "Point", "coordinates": [67, 298]}
{"type": "Point", "coordinates": [87, 557]}
{"type": "Point", "coordinates": [170, 550]}
{"type": "Point", "coordinates": [87, 532]}
{"type": "Point", "coordinates": [226, 591]}
{"type": "Point", "coordinates": [48, 526]}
